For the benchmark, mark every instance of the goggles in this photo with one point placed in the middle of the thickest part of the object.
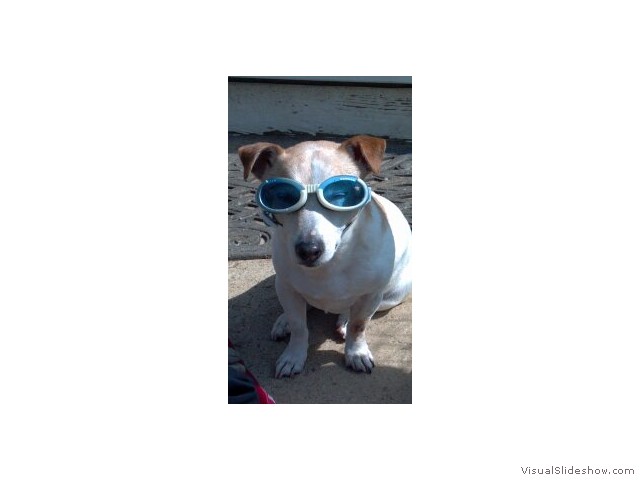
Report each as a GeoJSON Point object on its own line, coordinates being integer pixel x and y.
{"type": "Point", "coordinates": [340, 193]}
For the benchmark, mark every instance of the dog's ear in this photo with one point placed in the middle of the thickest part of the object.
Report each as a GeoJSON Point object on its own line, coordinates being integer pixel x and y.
{"type": "Point", "coordinates": [367, 151]}
{"type": "Point", "coordinates": [258, 157]}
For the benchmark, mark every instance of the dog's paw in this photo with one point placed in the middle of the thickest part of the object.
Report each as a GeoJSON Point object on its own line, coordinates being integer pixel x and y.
{"type": "Point", "coordinates": [359, 358]}
{"type": "Point", "coordinates": [280, 329]}
{"type": "Point", "coordinates": [291, 361]}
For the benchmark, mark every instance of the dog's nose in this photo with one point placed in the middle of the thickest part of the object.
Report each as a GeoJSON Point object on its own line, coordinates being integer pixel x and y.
{"type": "Point", "coordinates": [309, 252]}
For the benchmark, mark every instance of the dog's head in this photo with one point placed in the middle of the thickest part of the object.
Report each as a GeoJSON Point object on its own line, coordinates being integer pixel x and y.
{"type": "Point", "coordinates": [313, 233]}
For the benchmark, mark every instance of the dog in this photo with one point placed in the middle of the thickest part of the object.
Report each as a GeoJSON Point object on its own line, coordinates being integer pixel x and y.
{"type": "Point", "coordinates": [337, 245]}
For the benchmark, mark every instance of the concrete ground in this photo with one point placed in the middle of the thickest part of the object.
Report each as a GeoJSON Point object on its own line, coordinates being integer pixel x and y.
{"type": "Point", "coordinates": [254, 306]}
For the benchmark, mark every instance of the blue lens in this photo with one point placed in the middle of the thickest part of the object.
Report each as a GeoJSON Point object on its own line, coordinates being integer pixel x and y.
{"type": "Point", "coordinates": [279, 196]}
{"type": "Point", "coordinates": [344, 193]}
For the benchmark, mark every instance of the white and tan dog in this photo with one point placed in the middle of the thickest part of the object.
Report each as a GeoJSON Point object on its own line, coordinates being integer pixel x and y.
{"type": "Point", "coordinates": [352, 263]}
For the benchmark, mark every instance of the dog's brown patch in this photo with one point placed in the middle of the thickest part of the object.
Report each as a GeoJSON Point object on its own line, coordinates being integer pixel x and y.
{"type": "Point", "coordinates": [367, 151]}
{"type": "Point", "coordinates": [258, 157]}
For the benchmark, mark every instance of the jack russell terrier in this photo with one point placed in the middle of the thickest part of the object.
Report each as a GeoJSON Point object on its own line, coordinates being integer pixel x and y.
{"type": "Point", "coordinates": [337, 245]}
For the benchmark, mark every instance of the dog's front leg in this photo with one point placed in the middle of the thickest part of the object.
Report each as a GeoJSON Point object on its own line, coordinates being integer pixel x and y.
{"type": "Point", "coordinates": [293, 320]}
{"type": "Point", "coordinates": [356, 351]}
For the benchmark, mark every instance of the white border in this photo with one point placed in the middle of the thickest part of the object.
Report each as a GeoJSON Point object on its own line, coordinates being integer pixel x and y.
{"type": "Point", "coordinates": [525, 324]}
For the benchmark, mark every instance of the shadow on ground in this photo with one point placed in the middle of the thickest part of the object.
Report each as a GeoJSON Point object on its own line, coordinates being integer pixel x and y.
{"type": "Point", "coordinates": [325, 378]}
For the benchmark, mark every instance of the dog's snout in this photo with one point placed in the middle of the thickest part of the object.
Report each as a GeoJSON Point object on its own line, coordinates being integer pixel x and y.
{"type": "Point", "coordinates": [309, 251]}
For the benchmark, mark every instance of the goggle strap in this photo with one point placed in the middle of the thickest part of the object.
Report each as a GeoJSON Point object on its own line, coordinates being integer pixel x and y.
{"type": "Point", "coordinates": [269, 218]}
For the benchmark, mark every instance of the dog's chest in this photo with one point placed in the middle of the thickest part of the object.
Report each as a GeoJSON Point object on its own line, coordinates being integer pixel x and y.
{"type": "Point", "coordinates": [335, 293]}
{"type": "Point", "coordinates": [330, 300]}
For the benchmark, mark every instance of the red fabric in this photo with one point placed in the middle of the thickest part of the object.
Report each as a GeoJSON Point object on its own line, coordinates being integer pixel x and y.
{"type": "Point", "coordinates": [263, 396]}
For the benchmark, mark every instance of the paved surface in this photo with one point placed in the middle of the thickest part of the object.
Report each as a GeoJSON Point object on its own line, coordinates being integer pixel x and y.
{"type": "Point", "coordinates": [253, 307]}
